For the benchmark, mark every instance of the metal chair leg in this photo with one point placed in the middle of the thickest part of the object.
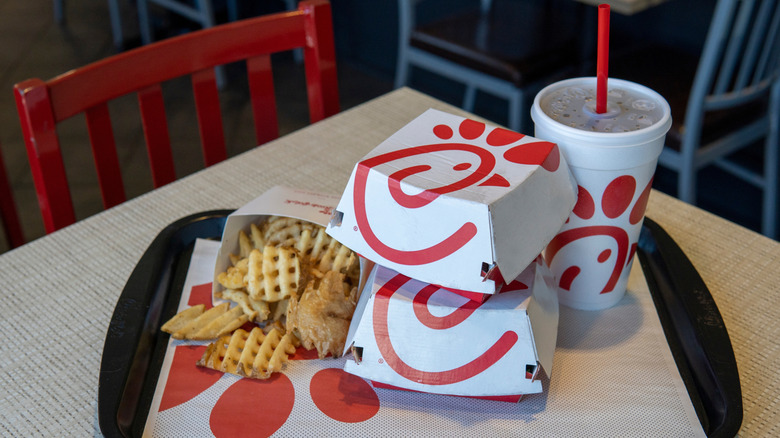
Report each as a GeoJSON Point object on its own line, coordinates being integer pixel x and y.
{"type": "Point", "coordinates": [116, 24]}
{"type": "Point", "coordinates": [59, 11]}
{"type": "Point", "coordinates": [771, 163]}
{"type": "Point", "coordinates": [686, 184]}
{"type": "Point", "coordinates": [469, 97]}
{"type": "Point", "coordinates": [144, 22]}
{"type": "Point", "coordinates": [516, 121]}
{"type": "Point", "coordinates": [232, 10]}
{"type": "Point", "coordinates": [206, 12]}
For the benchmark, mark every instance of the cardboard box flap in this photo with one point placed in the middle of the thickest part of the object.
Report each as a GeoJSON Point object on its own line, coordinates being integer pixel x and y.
{"type": "Point", "coordinates": [543, 312]}
{"type": "Point", "coordinates": [445, 197]}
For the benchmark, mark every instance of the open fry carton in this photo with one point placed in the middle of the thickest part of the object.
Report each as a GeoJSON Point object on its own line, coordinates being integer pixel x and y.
{"type": "Point", "coordinates": [406, 334]}
{"type": "Point", "coordinates": [455, 202]}
{"type": "Point", "coordinates": [278, 201]}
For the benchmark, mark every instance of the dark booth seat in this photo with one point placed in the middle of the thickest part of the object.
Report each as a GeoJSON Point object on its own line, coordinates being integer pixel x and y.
{"type": "Point", "coordinates": [520, 41]}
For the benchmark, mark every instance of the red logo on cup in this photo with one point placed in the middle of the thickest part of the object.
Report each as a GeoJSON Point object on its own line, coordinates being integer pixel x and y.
{"type": "Point", "coordinates": [615, 201]}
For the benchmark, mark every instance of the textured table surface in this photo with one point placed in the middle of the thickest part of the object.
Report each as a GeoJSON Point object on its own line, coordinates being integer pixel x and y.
{"type": "Point", "coordinates": [59, 291]}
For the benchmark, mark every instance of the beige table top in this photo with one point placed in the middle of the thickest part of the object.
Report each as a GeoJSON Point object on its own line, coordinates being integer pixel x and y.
{"type": "Point", "coordinates": [59, 291]}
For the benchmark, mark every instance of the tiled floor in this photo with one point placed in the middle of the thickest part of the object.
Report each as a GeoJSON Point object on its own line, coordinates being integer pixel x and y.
{"type": "Point", "coordinates": [32, 44]}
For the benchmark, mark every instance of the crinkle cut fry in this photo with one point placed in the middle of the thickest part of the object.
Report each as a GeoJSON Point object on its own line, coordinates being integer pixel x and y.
{"type": "Point", "coordinates": [213, 323]}
{"type": "Point", "coordinates": [181, 319]}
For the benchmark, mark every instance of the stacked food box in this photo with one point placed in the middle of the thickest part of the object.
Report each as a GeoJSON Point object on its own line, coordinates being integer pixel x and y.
{"type": "Point", "coordinates": [454, 214]}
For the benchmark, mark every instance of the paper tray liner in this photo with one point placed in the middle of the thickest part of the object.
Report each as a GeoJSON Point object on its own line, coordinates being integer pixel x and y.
{"type": "Point", "coordinates": [607, 392]}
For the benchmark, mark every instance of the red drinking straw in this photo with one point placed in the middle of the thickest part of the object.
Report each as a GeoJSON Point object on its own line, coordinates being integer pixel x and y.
{"type": "Point", "coordinates": [602, 59]}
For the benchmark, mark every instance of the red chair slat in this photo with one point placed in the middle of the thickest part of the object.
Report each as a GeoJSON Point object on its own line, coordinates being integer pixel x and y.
{"type": "Point", "coordinates": [158, 142]}
{"type": "Point", "coordinates": [43, 152]}
{"type": "Point", "coordinates": [42, 105]}
{"type": "Point", "coordinates": [320, 60]}
{"type": "Point", "coordinates": [175, 57]}
{"type": "Point", "coordinates": [12, 227]}
{"type": "Point", "coordinates": [212, 135]}
{"type": "Point", "coordinates": [101, 137]}
{"type": "Point", "coordinates": [261, 91]}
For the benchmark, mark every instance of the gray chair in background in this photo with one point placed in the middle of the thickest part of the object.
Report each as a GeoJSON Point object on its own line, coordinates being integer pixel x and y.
{"type": "Point", "coordinates": [506, 48]}
{"type": "Point", "coordinates": [114, 16]}
{"type": "Point", "coordinates": [201, 12]}
{"type": "Point", "coordinates": [724, 101]}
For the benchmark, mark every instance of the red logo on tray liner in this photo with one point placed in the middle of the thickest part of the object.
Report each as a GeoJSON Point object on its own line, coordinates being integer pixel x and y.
{"type": "Point", "coordinates": [338, 395]}
{"type": "Point", "coordinates": [200, 294]}
{"type": "Point", "coordinates": [540, 153]}
{"type": "Point", "coordinates": [464, 372]}
{"type": "Point", "coordinates": [189, 380]}
{"type": "Point", "coordinates": [251, 398]}
{"type": "Point", "coordinates": [615, 201]}
{"type": "Point", "coordinates": [328, 387]}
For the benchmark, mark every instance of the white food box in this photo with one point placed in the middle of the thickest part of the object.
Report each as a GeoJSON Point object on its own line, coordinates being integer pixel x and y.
{"type": "Point", "coordinates": [411, 335]}
{"type": "Point", "coordinates": [278, 201]}
{"type": "Point", "coordinates": [455, 202]}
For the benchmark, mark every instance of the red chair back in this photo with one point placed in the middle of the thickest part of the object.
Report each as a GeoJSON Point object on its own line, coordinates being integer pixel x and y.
{"type": "Point", "coordinates": [87, 90]}
{"type": "Point", "coordinates": [12, 227]}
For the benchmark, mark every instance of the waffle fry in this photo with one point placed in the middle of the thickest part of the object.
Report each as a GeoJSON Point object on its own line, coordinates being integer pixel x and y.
{"type": "Point", "coordinates": [285, 231]}
{"type": "Point", "coordinates": [257, 237]}
{"type": "Point", "coordinates": [271, 354]}
{"type": "Point", "coordinates": [281, 272]}
{"type": "Point", "coordinates": [254, 354]}
{"type": "Point", "coordinates": [319, 245]}
{"type": "Point", "coordinates": [257, 310]}
{"type": "Point", "coordinates": [215, 353]}
{"type": "Point", "coordinates": [308, 240]}
{"type": "Point", "coordinates": [279, 310]}
{"type": "Point", "coordinates": [341, 259]}
{"type": "Point", "coordinates": [244, 244]}
{"type": "Point", "coordinates": [200, 325]}
{"type": "Point", "coordinates": [234, 277]}
{"type": "Point", "coordinates": [254, 277]}
{"type": "Point", "coordinates": [290, 277]}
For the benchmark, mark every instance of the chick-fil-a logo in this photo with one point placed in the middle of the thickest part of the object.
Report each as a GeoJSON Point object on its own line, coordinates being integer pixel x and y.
{"type": "Point", "coordinates": [538, 153]}
{"type": "Point", "coordinates": [615, 202]}
{"type": "Point", "coordinates": [421, 311]}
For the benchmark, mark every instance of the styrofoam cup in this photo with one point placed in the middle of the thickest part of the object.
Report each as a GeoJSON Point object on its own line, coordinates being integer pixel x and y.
{"type": "Point", "coordinates": [613, 158]}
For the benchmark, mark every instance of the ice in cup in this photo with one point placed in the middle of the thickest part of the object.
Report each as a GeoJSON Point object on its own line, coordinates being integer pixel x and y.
{"type": "Point", "coordinates": [613, 157]}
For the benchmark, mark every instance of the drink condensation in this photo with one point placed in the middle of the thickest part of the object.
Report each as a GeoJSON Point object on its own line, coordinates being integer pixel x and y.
{"type": "Point", "coordinates": [627, 110]}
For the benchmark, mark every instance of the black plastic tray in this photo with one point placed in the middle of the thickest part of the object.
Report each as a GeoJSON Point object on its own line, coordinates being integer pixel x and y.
{"type": "Point", "coordinates": [135, 347]}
